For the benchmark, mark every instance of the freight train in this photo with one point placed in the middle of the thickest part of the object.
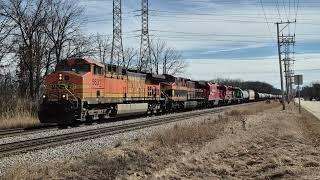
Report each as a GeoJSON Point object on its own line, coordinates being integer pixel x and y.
{"type": "Point", "coordinates": [85, 90]}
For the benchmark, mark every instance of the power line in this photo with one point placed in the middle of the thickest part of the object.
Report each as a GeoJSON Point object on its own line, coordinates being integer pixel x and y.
{"type": "Point", "coordinates": [277, 5]}
{"type": "Point", "coordinates": [297, 9]}
{"type": "Point", "coordinates": [296, 15]}
{"type": "Point", "coordinates": [285, 9]}
{"type": "Point", "coordinates": [265, 16]}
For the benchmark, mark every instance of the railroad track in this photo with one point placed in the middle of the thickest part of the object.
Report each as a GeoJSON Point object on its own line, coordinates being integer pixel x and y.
{"type": "Point", "coordinates": [24, 131]}
{"type": "Point", "coordinates": [52, 141]}
{"type": "Point", "coordinates": [8, 132]}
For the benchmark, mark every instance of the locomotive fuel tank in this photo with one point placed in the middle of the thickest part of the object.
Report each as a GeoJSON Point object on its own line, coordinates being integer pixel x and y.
{"type": "Point", "coordinates": [132, 109]}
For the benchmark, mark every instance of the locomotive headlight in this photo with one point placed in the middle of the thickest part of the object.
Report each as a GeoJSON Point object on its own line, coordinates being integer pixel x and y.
{"type": "Point", "coordinates": [60, 77]}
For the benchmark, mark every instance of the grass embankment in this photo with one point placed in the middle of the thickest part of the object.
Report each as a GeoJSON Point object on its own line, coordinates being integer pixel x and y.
{"type": "Point", "coordinates": [17, 113]}
{"type": "Point", "coordinates": [252, 142]}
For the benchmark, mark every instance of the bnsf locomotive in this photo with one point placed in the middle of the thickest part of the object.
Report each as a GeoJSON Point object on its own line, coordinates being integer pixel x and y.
{"type": "Point", "coordinates": [84, 90]}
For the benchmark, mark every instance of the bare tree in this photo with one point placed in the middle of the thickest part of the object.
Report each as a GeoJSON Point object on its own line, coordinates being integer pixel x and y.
{"type": "Point", "coordinates": [5, 31]}
{"type": "Point", "coordinates": [64, 23]}
{"type": "Point", "coordinates": [81, 46]}
{"type": "Point", "coordinates": [169, 59]}
{"type": "Point", "coordinates": [103, 47]}
{"type": "Point", "coordinates": [130, 58]}
{"type": "Point", "coordinates": [42, 29]}
{"type": "Point", "coordinates": [157, 51]}
{"type": "Point", "coordinates": [173, 62]}
{"type": "Point", "coordinates": [29, 16]}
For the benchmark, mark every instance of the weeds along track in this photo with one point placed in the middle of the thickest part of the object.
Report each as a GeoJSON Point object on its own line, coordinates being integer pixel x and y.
{"type": "Point", "coordinates": [52, 141]}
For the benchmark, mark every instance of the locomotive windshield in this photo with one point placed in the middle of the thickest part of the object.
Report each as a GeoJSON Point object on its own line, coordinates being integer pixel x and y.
{"type": "Point", "coordinates": [77, 68]}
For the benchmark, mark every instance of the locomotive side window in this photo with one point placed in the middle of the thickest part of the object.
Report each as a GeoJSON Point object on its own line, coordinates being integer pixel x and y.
{"type": "Point", "coordinates": [109, 68]}
{"type": "Point", "coordinates": [77, 68]}
{"type": "Point", "coordinates": [81, 68]}
{"type": "Point", "coordinates": [114, 69]}
{"type": "Point", "coordinates": [61, 67]}
{"type": "Point", "coordinates": [124, 72]}
{"type": "Point", "coordinates": [97, 70]}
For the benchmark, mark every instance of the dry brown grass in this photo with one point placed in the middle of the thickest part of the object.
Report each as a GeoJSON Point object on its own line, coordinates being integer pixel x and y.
{"type": "Point", "coordinates": [252, 110]}
{"type": "Point", "coordinates": [17, 113]}
{"type": "Point", "coordinates": [191, 133]}
{"type": "Point", "coordinates": [123, 161]}
{"type": "Point", "coordinates": [166, 148]}
{"type": "Point", "coordinates": [100, 165]}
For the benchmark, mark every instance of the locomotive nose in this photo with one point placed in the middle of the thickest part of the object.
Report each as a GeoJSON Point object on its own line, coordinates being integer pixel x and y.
{"type": "Point", "coordinates": [63, 85]}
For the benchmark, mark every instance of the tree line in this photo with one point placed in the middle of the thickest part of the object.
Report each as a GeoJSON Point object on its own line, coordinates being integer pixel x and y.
{"type": "Point", "coordinates": [257, 86]}
{"type": "Point", "coordinates": [35, 35]}
{"type": "Point", "coordinates": [311, 92]}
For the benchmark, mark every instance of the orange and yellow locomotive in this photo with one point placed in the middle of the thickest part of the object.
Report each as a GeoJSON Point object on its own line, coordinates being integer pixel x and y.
{"type": "Point", "coordinates": [85, 90]}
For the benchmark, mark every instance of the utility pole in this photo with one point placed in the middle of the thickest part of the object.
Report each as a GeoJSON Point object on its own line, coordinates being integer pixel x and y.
{"type": "Point", "coordinates": [298, 80]}
{"type": "Point", "coordinates": [284, 44]}
{"type": "Point", "coordinates": [280, 65]}
{"type": "Point", "coordinates": [145, 63]}
{"type": "Point", "coordinates": [117, 56]}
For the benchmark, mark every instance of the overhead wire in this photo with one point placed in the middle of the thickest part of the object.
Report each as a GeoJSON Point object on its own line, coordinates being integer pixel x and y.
{"type": "Point", "coordinates": [295, 24]}
{"type": "Point", "coordinates": [277, 5]}
{"type": "Point", "coordinates": [285, 9]}
{"type": "Point", "coordinates": [295, 12]}
{"type": "Point", "coordinates": [266, 19]}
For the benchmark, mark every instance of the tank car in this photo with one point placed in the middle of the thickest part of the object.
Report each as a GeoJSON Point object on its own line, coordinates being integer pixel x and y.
{"type": "Point", "coordinates": [251, 95]}
{"type": "Point", "coordinates": [246, 96]}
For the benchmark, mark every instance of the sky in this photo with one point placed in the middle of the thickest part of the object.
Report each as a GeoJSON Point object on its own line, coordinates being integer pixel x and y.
{"type": "Point", "coordinates": [222, 38]}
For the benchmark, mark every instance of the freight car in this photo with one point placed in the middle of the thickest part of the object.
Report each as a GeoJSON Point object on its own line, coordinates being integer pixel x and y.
{"type": "Point", "coordinates": [245, 96]}
{"type": "Point", "coordinates": [84, 90]}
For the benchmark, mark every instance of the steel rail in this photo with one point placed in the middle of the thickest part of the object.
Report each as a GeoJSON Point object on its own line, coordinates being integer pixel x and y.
{"type": "Point", "coordinates": [6, 132]}
{"type": "Point", "coordinates": [25, 131]}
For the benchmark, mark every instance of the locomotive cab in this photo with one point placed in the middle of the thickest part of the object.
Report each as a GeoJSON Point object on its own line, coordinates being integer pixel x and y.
{"type": "Point", "coordinates": [65, 88]}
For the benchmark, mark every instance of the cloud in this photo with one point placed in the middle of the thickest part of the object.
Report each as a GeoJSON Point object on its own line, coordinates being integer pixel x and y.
{"type": "Point", "coordinates": [235, 49]}
{"type": "Point", "coordinates": [223, 38]}
{"type": "Point", "coordinates": [244, 19]}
